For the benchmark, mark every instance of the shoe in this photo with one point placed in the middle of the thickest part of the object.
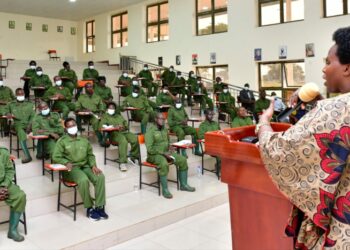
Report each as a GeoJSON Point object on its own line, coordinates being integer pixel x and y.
{"type": "Point", "coordinates": [133, 161]}
{"type": "Point", "coordinates": [123, 167]}
{"type": "Point", "coordinates": [92, 214]}
{"type": "Point", "coordinates": [13, 232]}
{"type": "Point", "coordinates": [102, 213]}
{"type": "Point", "coordinates": [39, 157]}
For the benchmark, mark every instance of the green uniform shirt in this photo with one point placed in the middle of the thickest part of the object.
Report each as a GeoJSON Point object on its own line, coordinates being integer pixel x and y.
{"type": "Point", "coordinates": [6, 94]}
{"type": "Point", "coordinates": [146, 74]}
{"type": "Point", "coordinates": [168, 76]}
{"type": "Point", "coordinates": [218, 87]}
{"type": "Point", "coordinates": [261, 104]}
{"type": "Point", "coordinates": [164, 99]}
{"type": "Point", "coordinates": [207, 126]}
{"type": "Point", "coordinates": [58, 90]}
{"type": "Point", "coordinates": [176, 116]}
{"type": "Point", "coordinates": [192, 83]}
{"type": "Point", "coordinates": [7, 172]}
{"type": "Point", "coordinates": [30, 73]}
{"type": "Point", "coordinates": [239, 122]}
{"type": "Point", "coordinates": [89, 74]}
{"type": "Point", "coordinates": [178, 81]}
{"type": "Point", "coordinates": [156, 140]}
{"type": "Point", "coordinates": [23, 111]}
{"type": "Point", "coordinates": [104, 92]}
{"type": "Point", "coordinates": [227, 97]}
{"type": "Point", "coordinates": [140, 102]}
{"type": "Point", "coordinates": [76, 150]}
{"type": "Point", "coordinates": [93, 103]}
{"type": "Point", "coordinates": [70, 74]}
{"type": "Point", "coordinates": [38, 81]}
{"type": "Point", "coordinates": [113, 120]}
{"type": "Point", "coordinates": [51, 123]}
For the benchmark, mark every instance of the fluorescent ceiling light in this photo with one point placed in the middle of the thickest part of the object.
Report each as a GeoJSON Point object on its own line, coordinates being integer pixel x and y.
{"type": "Point", "coordinates": [72, 1]}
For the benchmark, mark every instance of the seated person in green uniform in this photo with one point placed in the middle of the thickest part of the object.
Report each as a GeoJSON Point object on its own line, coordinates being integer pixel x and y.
{"type": "Point", "coordinates": [165, 97]}
{"type": "Point", "coordinates": [204, 100]}
{"type": "Point", "coordinates": [177, 120]}
{"type": "Point", "coordinates": [261, 104]}
{"type": "Point", "coordinates": [136, 82]}
{"type": "Point", "coordinates": [207, 126]}
{"type": "Point", "coordinates": [69, 78]}
{"type": "Point", "coordinates": [147, 82]}
{"type": "Point", "coordinates": [40, 80]}
{"type": "Point", "coordinates": [157, 144]}
{"type": "Point", "coordinates": [90, 73]}
{"type": "Point", "coordinates": [122, 137]}
{"type": "Point", "coordinates": [13, 196]}
{"type": "Point", "coordinates": [191, 85]}
{"type": "Point", "coordinates": [60, 98]}
{"type": "Point", "coordinates": [168, 76]}
{"type": "Point", "coordinates": [125, 80]}
{"type": "Point", "coordinates": [47, 123]}
{"type": "Point", "coordinates": [242, 119]}
{"type": "Point", "coordinates": [218, 85]}
{"type": "Point", "coordinates": [227, 102]}
{"type": "Point", "coordinates": [178, 86]}
{"type": "Point", "coordinates": [6, 96]}
{"type": "Point", "coordinates": [92, 103]}
{"type": "Point", "coordinates": [102, 90]}
{"type": "Point", "coordinates": [23, 111]}
{"type": "Point", "coordinates": [75, 152]}
{"type": "Point", "coordinates": [28, 74]}
{"type": "Point", "coordinates": [144, 113]}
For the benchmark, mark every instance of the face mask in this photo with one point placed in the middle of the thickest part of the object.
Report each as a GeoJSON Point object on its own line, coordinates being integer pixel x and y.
{"type": "Point", "coordinates": [246, 88]}
{"type": "Point", "coordinates": [171, 70]}
{"type": "Point", "coordinates": [125, 74]}
{"type": "Point", "coordinates": [20, 98]}
{"type": "Point", "coordinates": [1, 83]}
{"type": "Point", "coordinates": [178, 105]}
{"type": "Point", "coordinates": [91, 67]}
{"type": "Point", "coordinates": [225, 91]}
{"type": "Point", "coordinates": [179, 76]}
{"type": "Point", "coordinates": [135, 94]}
{"type": "Point", "coordinates": [72, 130]}
{"type": "Point", "coordinates": [111, 111]}
{"type": "Point", "coordinates": [39, 73]}
{"type": "Point", "coordinates": [198, 82]}
{"type": "Point", "coordinates": [165, 91]}
{"type": "Point", "coordinates": [145, 68]}
{"type": "Point", "coordinates": [32, 66]}
{"type": "Point", "coordinates": [135, 83]}
{"type": "Point", "coordinates": [58, 83]}
{"type": "Point", "coordinates": [45, 111]}
{"type": "Point", "coordinates": [194, 76]}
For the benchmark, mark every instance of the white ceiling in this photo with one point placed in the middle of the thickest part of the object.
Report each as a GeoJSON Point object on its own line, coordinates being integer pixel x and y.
{"type": "Point", "coordinates": [63, 9]}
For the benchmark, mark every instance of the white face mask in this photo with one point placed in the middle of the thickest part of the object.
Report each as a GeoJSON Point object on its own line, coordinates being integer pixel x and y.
{"type": "Point", "coordinates": [145, 68]}
{"type": "Point", "coordinates": [91, 67]}
{"type": "Point", "coordinates": [198, 82]}
{"type": "Point", "coordinates": [45, 111]}
{"type": "Point", "coordinates": [72, 130]}
{"type": "Point", "coordinates": [135, 94]}
{"type": "Point", "coordinates": [225, 91]}
{"type": "Point", "coordinates": [111, 111]}
{"type": "Point", "coordinates": [125, 74]}
{"type": "Point", "coordinates": [58, 83]}
{"type": "Point", "coordinates": [178, 105]}
{"type": "Point", "coordinates": [135, 83]}
{"type": "Point", "coordinates": [165, 91]}
{"type": "Point", "coordinates": [1, 83]}
{"type": "Point", "coordinates": [20, 98]}
{"type": "Point", "coordinates": [171, 70]}
{"type": "Point", "coordinates": [179, 76]}
{"type": "Point", "coordinates": [246, 88]}
{"type": "Point", "coordinates": [194, 76]}
{"type": "Point", "coordinates": [32, 66]}
{"type": "Point", "coordinates": [39, 73]}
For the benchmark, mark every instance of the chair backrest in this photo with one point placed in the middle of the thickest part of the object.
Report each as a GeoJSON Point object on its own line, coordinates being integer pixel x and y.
{"type": "Point", "coordinates": [141, 138]}
{"type": "Point", "coordinates": [52, 52]}
{"type": "Point", "coordinates": [82, 83]}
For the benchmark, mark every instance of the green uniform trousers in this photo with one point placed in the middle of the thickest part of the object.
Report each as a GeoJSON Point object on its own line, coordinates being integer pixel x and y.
{"type": "Point", "coordinates": [204, 101]}
{"type": "Point", "coordinates": [70, 85]}
{"type": "Point", "coordinates": [162, 163]}
{"type": "Point", "coordinates": [142, 116]}
{"type": "Point", "coordinates": [82, 176]}
{"type": "Point", "coordinates": [17, 198]}
{"type": "Point", "coordinates": [152, 88]}
{"type": "Point", "coordinates": [49, 146]}
{"type": "Point", "coordinates": [229, 111]}
{"type": "Point", "coordinates": [92, 119]}
{"type": "Point", "coordinates": [64, 107]}
{"type": "Point", "coordinates": [20, 130]}
{"type": "Point", "coordinates": [182, 131]}
{"type": "Point", "coordinates": [123, 139]}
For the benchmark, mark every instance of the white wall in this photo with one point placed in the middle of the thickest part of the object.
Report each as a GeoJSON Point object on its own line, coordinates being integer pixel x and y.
{"type": "Point", "coordinates": [235, 48]}
{"type": "Point", "coordinates": [21, 44]}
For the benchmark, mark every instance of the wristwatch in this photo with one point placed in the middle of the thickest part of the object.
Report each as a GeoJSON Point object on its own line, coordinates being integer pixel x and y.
{"type": "Point", "coordinates": [259, 125]}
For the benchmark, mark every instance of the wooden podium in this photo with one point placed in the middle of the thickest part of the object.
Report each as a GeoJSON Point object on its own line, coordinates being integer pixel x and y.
{"type": "Point", "coordinates": [259, 212]}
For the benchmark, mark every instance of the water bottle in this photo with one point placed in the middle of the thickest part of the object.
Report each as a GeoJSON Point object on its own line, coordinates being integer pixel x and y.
{"type": "Point", "coordinates": [199, 171]}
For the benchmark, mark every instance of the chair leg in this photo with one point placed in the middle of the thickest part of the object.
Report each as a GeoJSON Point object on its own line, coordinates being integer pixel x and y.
{"type": "Point", "coordinates": [10, 142]}
{"type": "Point", "coordinates": [59, 192]}
{"type": "Point", "coordinates": [177, 178]}
{"type": "Point", "coordinates": [25, 223]}
{"type": "Point", "coordinates": [140, 174]}
{"type": "Point", "coordinates": [75, 203]}
{"type": "Point", "coordinates": [158, 180]}
{"type": "Point", "coordinates": [17, 147]}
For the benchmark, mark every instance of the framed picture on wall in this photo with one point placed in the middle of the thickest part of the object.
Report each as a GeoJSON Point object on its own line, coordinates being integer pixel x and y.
{"type": "Point", "coordinates": [59, 28]}
{"type": "Point", "coordinates": [178, 60]}
{"type": "Point", "coordinates": [212, 58]}
{"type": "Point", "coordinates": [29, 26]}
{"type": "Point", "coordinates": [257, 54]}
{"type": "Point", "coordinates": [282, 52]}
{"type": "Point", "coordinates": [12, 24]}
{"type": "Point", "coordinates": [194, 59]}
{"type": "Point", "coordinates": [160, 60]}
{"type": "Point", "coordinates": [309, 50]}
{"type": "Point", "coordinates": [45, 28]}
{"type": "Point", "coordinates": [73, 31]}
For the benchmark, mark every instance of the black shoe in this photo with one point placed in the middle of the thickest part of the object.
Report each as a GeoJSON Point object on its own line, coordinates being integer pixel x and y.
{"type": "Point", "coordinates": [39, 157]}
{"type": "Point", "coordinates": [101, 212]}
{"type": "Point", "coordinates": [92, 214]}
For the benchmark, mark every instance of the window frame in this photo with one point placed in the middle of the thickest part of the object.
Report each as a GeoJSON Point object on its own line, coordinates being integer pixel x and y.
{"type": "Point", "coordinates": [213, 67]}
{"type": "Point", "coordinates": [158, 23]}
{"type": "Point", "coordinates": [120, 30]}
{"type": "Point", "coordinates": [87, 38]}
{"type": "Point", "coordinates": [212, 13]}
{"type": "Point", "coordinates": [345, 9]}
{"type": "Point", "coordinates": [281, 15]}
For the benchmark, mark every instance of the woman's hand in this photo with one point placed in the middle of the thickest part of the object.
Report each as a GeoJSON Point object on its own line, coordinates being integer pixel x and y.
{"type": "Point", "coordinates": [268, 113]}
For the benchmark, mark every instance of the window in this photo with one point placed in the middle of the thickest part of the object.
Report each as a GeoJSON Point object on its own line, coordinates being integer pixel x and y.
{"type": "Point", "coordinates": [335, 7]}
{"type": "Point", "coordinates": [90, 36]}
{"type": "Point", "coordinates": [211, 72]}
{"type": "Point", "coordinates": [282, 76]}
{"type": "Point", "coordinates": [120, 30]}
{"type": "Point", "coordinates": [211, 16]}
{"type": "Point", "coordinates": [280, 11]}
{"type": "Point", "coordinates": [158, 22]}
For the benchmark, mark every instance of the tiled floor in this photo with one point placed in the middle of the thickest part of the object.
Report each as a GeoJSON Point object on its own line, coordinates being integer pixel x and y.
{"type": "Point", "coordinates": [205, 231]}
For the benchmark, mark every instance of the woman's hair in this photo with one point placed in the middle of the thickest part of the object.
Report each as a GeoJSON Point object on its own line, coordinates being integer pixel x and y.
{"type": "Point", "coordinates": [342, 39]}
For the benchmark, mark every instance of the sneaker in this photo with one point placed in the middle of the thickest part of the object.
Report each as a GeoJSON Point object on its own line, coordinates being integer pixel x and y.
{"type": "Point", "coordinates": [123, 167]}
{"type": "Point", "coordinates": [92, 214]}
{"type": "Point", "coordinates": [133, 161]}
{"type": "Point", "coordinates": [102, 213]}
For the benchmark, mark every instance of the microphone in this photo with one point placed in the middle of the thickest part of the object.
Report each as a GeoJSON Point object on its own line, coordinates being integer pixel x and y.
{"type": "Point", "coordinates": [307, 93]}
